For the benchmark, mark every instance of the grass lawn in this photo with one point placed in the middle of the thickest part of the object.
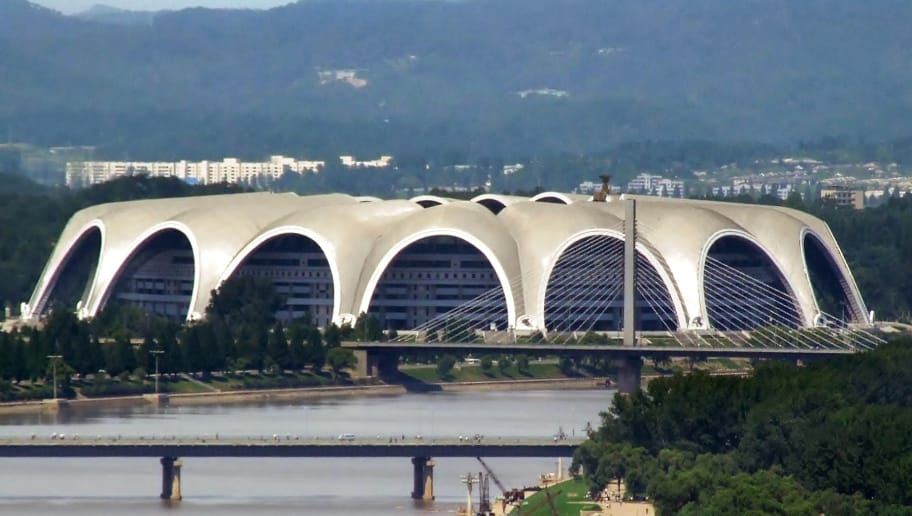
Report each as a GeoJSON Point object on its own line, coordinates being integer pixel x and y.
{"type": "Point", "coordinates": [569, 498]}
{"type": "Point", "coordinates": [476, 373]}
{"type": "Point", "coordinates": [184, 387]}
{"type": "Point", "coordinates": [234, 382]}
{"type": "Point", "coordinates": [728, 363]}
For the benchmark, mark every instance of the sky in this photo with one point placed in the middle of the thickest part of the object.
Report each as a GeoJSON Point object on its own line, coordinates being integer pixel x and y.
{"type": "Point", "coordinates": [75, 6]}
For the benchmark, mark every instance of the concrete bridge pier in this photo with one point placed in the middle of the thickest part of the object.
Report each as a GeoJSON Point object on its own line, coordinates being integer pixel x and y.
{"type": "Point", "coordinates": [423, 473]}
{"type": "Point", "coordinates": [380, 364]}
{"type": "Point", "coordinates": [630, 374]}
{"type": "Point", "coordinates": [171, 479]}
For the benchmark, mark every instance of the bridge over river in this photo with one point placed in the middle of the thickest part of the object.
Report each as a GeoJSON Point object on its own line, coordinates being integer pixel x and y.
{"type": "Point", "coordinates": [382, 358]}
{"type": "Point", "coordinates": [170, 450]}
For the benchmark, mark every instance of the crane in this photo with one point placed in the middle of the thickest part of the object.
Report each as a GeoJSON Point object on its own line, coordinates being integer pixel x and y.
{"type": "Point", "coordinates": [492, 475]}
{"type": "Point", "coordinates": [548, 500]}
{"type": "Point", "coordinates": [503, 490]}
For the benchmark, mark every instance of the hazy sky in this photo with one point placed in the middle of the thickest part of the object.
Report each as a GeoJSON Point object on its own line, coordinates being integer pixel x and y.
{"type": "Point", "coordinates": [74, 6]}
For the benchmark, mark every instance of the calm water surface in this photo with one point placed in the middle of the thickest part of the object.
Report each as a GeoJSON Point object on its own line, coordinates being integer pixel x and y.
{"type": "Point", "coordinates": [77, 487]}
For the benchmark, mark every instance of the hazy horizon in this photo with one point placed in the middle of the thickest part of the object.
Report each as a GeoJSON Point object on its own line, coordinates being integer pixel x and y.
{"type": "Point", "coordinates": [75, 6]}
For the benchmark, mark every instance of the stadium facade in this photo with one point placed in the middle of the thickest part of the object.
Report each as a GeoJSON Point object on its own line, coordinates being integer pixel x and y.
{"type": "Point", "coordinates": [553, 262]}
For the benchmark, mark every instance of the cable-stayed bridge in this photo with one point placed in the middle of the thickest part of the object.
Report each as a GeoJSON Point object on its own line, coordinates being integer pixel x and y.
{"type": "Point", "coordinates": [609, 294]}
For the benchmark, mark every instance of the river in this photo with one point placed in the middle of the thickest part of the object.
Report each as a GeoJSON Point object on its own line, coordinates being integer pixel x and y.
{"type": "Point", "coordinates": [344, 487]}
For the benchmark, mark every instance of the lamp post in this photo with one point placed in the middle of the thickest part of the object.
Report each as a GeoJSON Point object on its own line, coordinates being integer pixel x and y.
{"type": "Point", "coordinates": [157, 353]}
{"type": "Point", "coordinates": [54, 359]}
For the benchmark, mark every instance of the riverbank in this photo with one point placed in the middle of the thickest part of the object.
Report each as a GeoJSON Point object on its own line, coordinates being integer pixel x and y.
{"type": "Point", "coordinates": [303, 393]}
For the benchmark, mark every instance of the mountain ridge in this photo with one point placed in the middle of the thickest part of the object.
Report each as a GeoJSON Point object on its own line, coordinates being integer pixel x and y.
{"type": "Point", "coordinates": [650, 69]}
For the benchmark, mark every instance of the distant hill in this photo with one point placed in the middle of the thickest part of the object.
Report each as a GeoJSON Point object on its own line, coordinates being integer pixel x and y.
{"type": "Point", "coordinates": [511, 77]}
{"type": "Point", "coordinates": [108, 14]}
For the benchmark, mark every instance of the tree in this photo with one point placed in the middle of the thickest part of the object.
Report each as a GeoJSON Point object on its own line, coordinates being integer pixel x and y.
{"type": "Point", "coordinates": [333, 335]}
{"type": "Point", "coordinates": [316, 354]}
{"type": "Point", "coordinates": [445, 365]}
{"type": "Point", "coordinates": [277, 345]}
{"type": "Point", "coordinates": [522, 363]}
{"type": "Point", "coordinates": [367, 328]}
{"type": "Point", "coordinates": [487, 363]}
{"type": "Point", "coordinates": [565, 365]}
{"type": "Point", "coordinates": [297, 354]}
{"type": "Point", "coordinates": [504, 363]}
{"type": "Point", "coordinates": [120, 356]}
{"type": "Point", "coordinates": [246, 303]}
{"type": "Point", "coordinates": [340, 359]}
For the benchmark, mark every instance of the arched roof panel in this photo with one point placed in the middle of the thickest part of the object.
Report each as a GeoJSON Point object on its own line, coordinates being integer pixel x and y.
{"type": "Point", "coordinates": [464, 220]}
{"type": "Point", "coordinates": [345, 233]}
{"type": "Point", "coordinates": [429, 201]}
{"type": "Point", "coordinates": [564, 198]}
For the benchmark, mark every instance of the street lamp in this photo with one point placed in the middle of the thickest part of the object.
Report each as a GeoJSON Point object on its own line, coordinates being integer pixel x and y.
{"type": "Point", "coordinates": [157, 353]}
{"type": "Point", "coordinates": [54, 359]}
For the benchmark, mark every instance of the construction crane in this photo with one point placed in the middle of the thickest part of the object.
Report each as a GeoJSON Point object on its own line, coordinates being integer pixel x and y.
{"type": "Point", "coordinates": [548, 500]}
{"type": "Point", "coordinates": [507, 495]}
{"type": "Point", "coordinates": [492, 476]}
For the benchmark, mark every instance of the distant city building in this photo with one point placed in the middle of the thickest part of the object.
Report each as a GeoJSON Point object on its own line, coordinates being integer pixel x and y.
{"type": "Point", "coordinates": [548, 92]}
{"type": "Point", "coordinates": [652, 184]}
{"type": "Point", "coordinates": [512, 169]}
{"type": "Point", "coordinates": [842, 196]}
{"type": "Point", "coordinates": [351, 162]}
{"type": "Point", "coordinates": [229, 170]}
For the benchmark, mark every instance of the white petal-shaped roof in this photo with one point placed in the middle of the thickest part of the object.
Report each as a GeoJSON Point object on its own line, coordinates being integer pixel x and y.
{"type": "Point", "coordinates": [521, 238]}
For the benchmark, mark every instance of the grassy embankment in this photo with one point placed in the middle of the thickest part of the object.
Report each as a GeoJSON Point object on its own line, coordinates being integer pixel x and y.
{"type": "Point", "coordinates": [182, 384]}
{"type": "Point", "coordinates": [569, 498]}
{"type": "Point", "coordinates": [474, 373]}
{"type": "Point", "coordinates": [94, 387]}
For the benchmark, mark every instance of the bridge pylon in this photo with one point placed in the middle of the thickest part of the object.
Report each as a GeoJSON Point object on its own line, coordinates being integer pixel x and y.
{"type": "Point", "coordinates": [376, 363]}
{"type": "Point", "coordinates": [423, 474]}
{"type": "Point", "coordinates": [171, 479]}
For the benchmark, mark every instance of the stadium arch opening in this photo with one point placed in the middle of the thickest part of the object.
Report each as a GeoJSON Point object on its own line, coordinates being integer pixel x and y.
{"type": "Point", "coordinates": [440, 278]}
{"type": "Point", "coordinates": [300, 272]}
{"type": "Point", "coordinates": [832, 289]}
{"type": "Point", "coordinates": [743, 289]}
{"type": "Point", "coordinates": [585, 290]}
{"type": "Point", "coordinates": [493, 205]}
{"type": "Point", "coordinates": [158, 276]}
{"type": "Point", "coordinates": [74, 276]}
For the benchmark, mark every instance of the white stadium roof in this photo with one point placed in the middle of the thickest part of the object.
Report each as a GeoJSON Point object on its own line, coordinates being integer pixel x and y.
{"type": "Point", "coordinates": [522, 238]}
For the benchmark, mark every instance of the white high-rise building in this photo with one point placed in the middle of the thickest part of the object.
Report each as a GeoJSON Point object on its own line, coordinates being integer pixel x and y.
{"type": "Point", "coordinates": [229, 170]}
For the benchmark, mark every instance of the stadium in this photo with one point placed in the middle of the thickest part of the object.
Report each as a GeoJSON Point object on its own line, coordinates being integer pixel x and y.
{"type": "Point", "coordinates": [552, 263]}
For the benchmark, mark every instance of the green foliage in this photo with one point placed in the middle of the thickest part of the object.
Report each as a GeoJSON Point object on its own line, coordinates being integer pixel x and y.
{"type": "Point", "coordinates": [503, 363]}
{"type": "Point", "coordinates": [522, 363]}
{"type": "Point", "coordinates": [368, 329]}
{"type": "Point", "coordinates": [245, 303]}
{"type": "Point", "coordinates": [340, 359]}
{"type": "Point", "coordinates": [445, 365]}
{"type": "Point", "coordinates": [829, 438]}
{"type": "Point", "coordinates": [432, 73]}
{"type": "Point", "coordinates": [566, 365]}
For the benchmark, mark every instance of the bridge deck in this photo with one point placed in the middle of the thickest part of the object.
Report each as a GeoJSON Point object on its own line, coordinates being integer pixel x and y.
{"type": "Point", "coordinates": [616, 351]}
{"type": "Point", "coordinates": [284, 446]}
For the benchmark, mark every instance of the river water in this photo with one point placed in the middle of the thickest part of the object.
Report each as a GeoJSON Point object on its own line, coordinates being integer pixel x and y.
{"type": "Point", "coordinates": [375, 486]}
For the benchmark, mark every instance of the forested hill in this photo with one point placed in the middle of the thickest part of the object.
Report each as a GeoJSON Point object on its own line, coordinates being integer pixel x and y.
{"type": "Point", "coordinates": [506, 76]}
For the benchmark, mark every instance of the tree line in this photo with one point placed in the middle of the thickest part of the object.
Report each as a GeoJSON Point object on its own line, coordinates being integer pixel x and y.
{"type": "Point", "coordinates": [828, 438]}
{"type": "Point", "coordinates": [240, 333]}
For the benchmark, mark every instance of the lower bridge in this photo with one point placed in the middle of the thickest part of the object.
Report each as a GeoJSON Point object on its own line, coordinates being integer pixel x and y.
{"type": "Point", "coordinates": [171, 450]}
